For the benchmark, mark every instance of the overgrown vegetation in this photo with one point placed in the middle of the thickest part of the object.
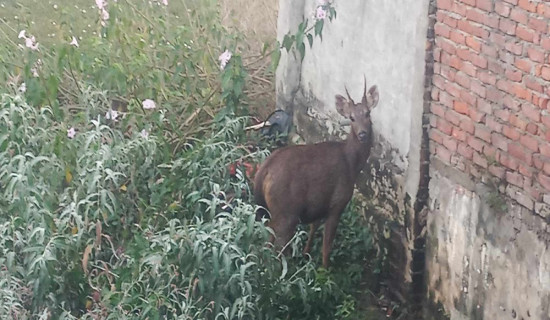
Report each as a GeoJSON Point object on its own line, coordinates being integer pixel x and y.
{"type": "Point", "coordinates": [115, 198]}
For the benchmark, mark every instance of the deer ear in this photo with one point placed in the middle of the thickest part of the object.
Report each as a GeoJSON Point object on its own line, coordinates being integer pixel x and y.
{"type": "Point", "coordinates": [342, 106]}
{"type": "Point", "coordinates": [372, 100]}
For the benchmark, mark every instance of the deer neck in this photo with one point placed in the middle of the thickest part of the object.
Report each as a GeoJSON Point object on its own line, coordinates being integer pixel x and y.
{"type": "Point", "coordinates": [357, 152]}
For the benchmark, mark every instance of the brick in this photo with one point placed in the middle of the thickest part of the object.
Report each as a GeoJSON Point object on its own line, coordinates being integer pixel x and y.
{"type": "Point", "coordinates": [533, 84]}
{"type": "Point", "coordinates": [477, 116]}
{"type": "Point", "coordinates": [544, 180]}
{"type": "Point", "coordinates": [527, 5]}
{"type": "Point", "coordinates": [487, 77]}
{"type": "Point", "coordinates": [524, 65]}
{"type": "Point", "coordinates": [490, 152]}
{"type": "Point", "coordinates": [437, 110]}
{"type": "Point", "coordinates": [511, 133]}
{"type": "Point", "coordinates": [529, 142]}
{"type": "Point", "coordinates": [436, 136]}
{"type": "Point", "coordinates": [483, 133]}
{"type": "Point", "coordinates": [503, 114]}
{"type": "Point", "coordinates": [446, 45]}
{"type": "Point", "coordinates": [468, 97]}
{"type": "Point", "coordinates": [519, 15]}
{"type": "Point", "coordinates": [444, 4]}
{"type": "Point", "coordinates": [508, 162]}
{"type": "Point", "coordinates": [489, 51]}
{"type": "Point", "coordinates": [475, 144]}
{"type": "Point", "coordinates": [518, 122]}
{"type": "Point", "coordinates": [463, 80]}
{"type": "Point", "coordinates": [446, 19]}
{"type": "Point", "coordinates": [459, 8]}
{"type": "Point", "coordinates": [446, 99]}
{"type": "Point", "coordinates": [457, 37]}
{"type": "Point", "coordinates": [470, 28]}
{"type": "Point", "coordinates": [506, 86]}
{"type": "Point", "coordinates": [546, 168]}
{"type": "Point", "coordinates": [514, 75]}
{"type": "Point", "coordinates": [495, 66]}
{"type": "Point", "coordinates": [465, 151]}
{"type": "Point", "coordinates": [456, 62]}
{"type": "Point", "coordinates": [453, 89]}
{"type": "Point", "coordinates": [540, 25]}
{"type": "Point", "coordinates": [478, 88]}
{"type": "Point", "coordinates": [514, 178]}
{"type": "Point", "coordinates": [442, 30]}
{"type": "Point", "coordinates": [514, 47]}
{"type": "Point", "coordinates": [494, 95]}
{"type": "Point", "coordinates": [545, 43]}
{"type": "Point", "coordinates": [448, 73]}
{"type": "Point", "coordinates": [443, 154]}
{"type": "Point", "coordinates": [525, 170]}
{"type": "Point", "coordinates": [469, 2]}
{"type": "Point", "coordinates": [450, 144]}
{"type": "Point", "coordinates": [545, 73]}
{"type": "Point", "coordinates": [484, 106]}
{"type": "Point", "coordinates": [507, 26]}
{"type": "Point", "coordinates": [467, 125]}
{"type": "Point", "coordinates": [453, 117]}
{"type": "Point", "coordinates": [444, 126]}
{"type": "Point", "coordinates": [459, 134]}
{"type": "Point", "coordinates": [461, 107]}
{"type": "Point", "coordinates": [545, 119]}
{"type": "Point", "coordinates": [499, 141]}
{"type": "Point", "coordinates": [435, 94]}
{"type": "Point", "coordinates": [510, 103]}
{"type": "Point", "coordinates": [525, 34]}
{"type": "Point", "coordinates": [545, 149]}
{"type": "Point", "coordinates": [473, 43]}
{"type": "Point", "coordinates": [486, 5]}
{"type": "Point", "coordinates": [530, 112]}
{"type": "Point", "coordinates": [502, 9]}
{"type": "Point", "coordinates": [492, 124]}
{"type": "Point", "coordinates": [498, 172]}
{"type": "Point", "coordinates": [514, 2]}
{"type": "Point", "coordinates": [469, 69]}
{"type": "Point", "coordinates": [535, 54]}
{"type": "Point", "coordinates": [519, 152]}
{"type": "Point", "coordinates": [522, 92]}
{"type": "Point", "coordinates": [480, 160]}
{"type": "Point", "coordinates": [532, 128]}
{"type": "Point", "coordinates": [479, 61]}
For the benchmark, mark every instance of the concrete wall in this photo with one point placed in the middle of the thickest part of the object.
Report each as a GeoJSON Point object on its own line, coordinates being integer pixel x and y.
{"type": "Point", "coordinates": [385, 41]}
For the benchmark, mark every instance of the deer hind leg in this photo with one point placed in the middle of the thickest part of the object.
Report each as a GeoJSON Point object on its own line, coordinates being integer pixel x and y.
{"type": "Point", "coordinates": [330, 232]}
{"type": "Point", "coordinates": [312, 228]}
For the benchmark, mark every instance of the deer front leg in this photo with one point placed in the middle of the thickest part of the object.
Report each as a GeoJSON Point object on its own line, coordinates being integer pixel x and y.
{"type": "Point", "coordinates": [312, 228]}
{"type": "Point", "coordinates": [330, 232]}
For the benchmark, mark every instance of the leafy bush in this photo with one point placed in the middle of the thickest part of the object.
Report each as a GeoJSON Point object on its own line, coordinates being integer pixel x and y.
{"type": "Point", "coordinates": [115, 198]}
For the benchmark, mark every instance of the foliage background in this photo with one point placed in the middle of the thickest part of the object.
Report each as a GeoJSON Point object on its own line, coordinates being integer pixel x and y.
{"type": "Point", "coordinates": [138, 216]}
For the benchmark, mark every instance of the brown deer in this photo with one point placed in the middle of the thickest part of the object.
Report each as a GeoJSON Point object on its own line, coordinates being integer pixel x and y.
{"type": "Point", "coordinates": [312, 184]}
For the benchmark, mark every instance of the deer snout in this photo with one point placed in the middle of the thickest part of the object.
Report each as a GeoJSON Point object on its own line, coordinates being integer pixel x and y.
{"type": "Point", "coordinates": [362, 136]}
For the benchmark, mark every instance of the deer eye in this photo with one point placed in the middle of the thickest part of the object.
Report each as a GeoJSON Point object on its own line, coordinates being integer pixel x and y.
{"type": "Point", "coordinates": [352, 118]}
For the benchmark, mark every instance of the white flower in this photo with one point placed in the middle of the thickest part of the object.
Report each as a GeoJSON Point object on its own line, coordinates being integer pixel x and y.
{"type": "Point", "coordinates": [148, 104]}
{"type": "Point", "coordinates": [224, 59]}
{"type": "Point", "coordinates": [111, 115]}
{"type": "Point", "coordinates": [22, 34]}
{"type": "Point", "coordinates": [23, 88]}
{"type": "Point", "coordinates": [74, 42]}
{"type": "Point", "coordinates": [71, 133]}
{"type": "Point", "coordinates": [165, 2]}
{"type": "Point", "coordinates": [144, 134]}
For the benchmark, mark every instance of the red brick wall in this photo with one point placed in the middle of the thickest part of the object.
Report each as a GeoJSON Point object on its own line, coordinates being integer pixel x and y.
{"type": "Point", "coordinates": [491, 84]}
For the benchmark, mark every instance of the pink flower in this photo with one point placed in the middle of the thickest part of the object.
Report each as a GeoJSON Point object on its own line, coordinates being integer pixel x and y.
{"type": "Point", "coordinates": [321, 13]}
{"type": "Point", "coordinates": [101, 4]}
{"type": "Point", "coordinates": [31, 43]}
{"type": "Point", "coordinates": [148, 104]}
{"type": "Point", "coordinates": [74, 42]}
{"type": "Point", "coordinates": [165, 2]}
{"type": "Point", "coordinates": [224, 59]}
{"type": "Point", "coordinates": [71, 133]}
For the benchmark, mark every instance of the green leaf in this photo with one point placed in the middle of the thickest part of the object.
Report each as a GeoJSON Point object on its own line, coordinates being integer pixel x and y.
{"type": "Point", "coordinates": [275, 58]}
{"type": "Point", "coordinates": [302, 50]}
{"type": "Point", "coordinates": [310, 39]}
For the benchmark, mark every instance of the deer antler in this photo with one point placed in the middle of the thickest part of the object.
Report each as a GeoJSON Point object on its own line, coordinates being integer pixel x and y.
{"type": "Point", "coordinates": [349, 97]}
{"type": "Point", "coordinates": [364, 100]}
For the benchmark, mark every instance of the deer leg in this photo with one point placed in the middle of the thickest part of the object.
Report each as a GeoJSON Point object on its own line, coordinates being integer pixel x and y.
{"type": "Point", "coordinates": [312, 228]}
{"type": "Point", "coordinates": [330, 232]}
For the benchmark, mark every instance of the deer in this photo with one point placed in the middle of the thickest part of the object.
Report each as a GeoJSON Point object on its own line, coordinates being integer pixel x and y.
{"type": "Point", "coordinates": [312, 184]}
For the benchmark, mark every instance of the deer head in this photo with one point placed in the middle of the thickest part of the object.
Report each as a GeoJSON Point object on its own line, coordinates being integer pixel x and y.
{"type": "Point", "coordinates": [359, 113]}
